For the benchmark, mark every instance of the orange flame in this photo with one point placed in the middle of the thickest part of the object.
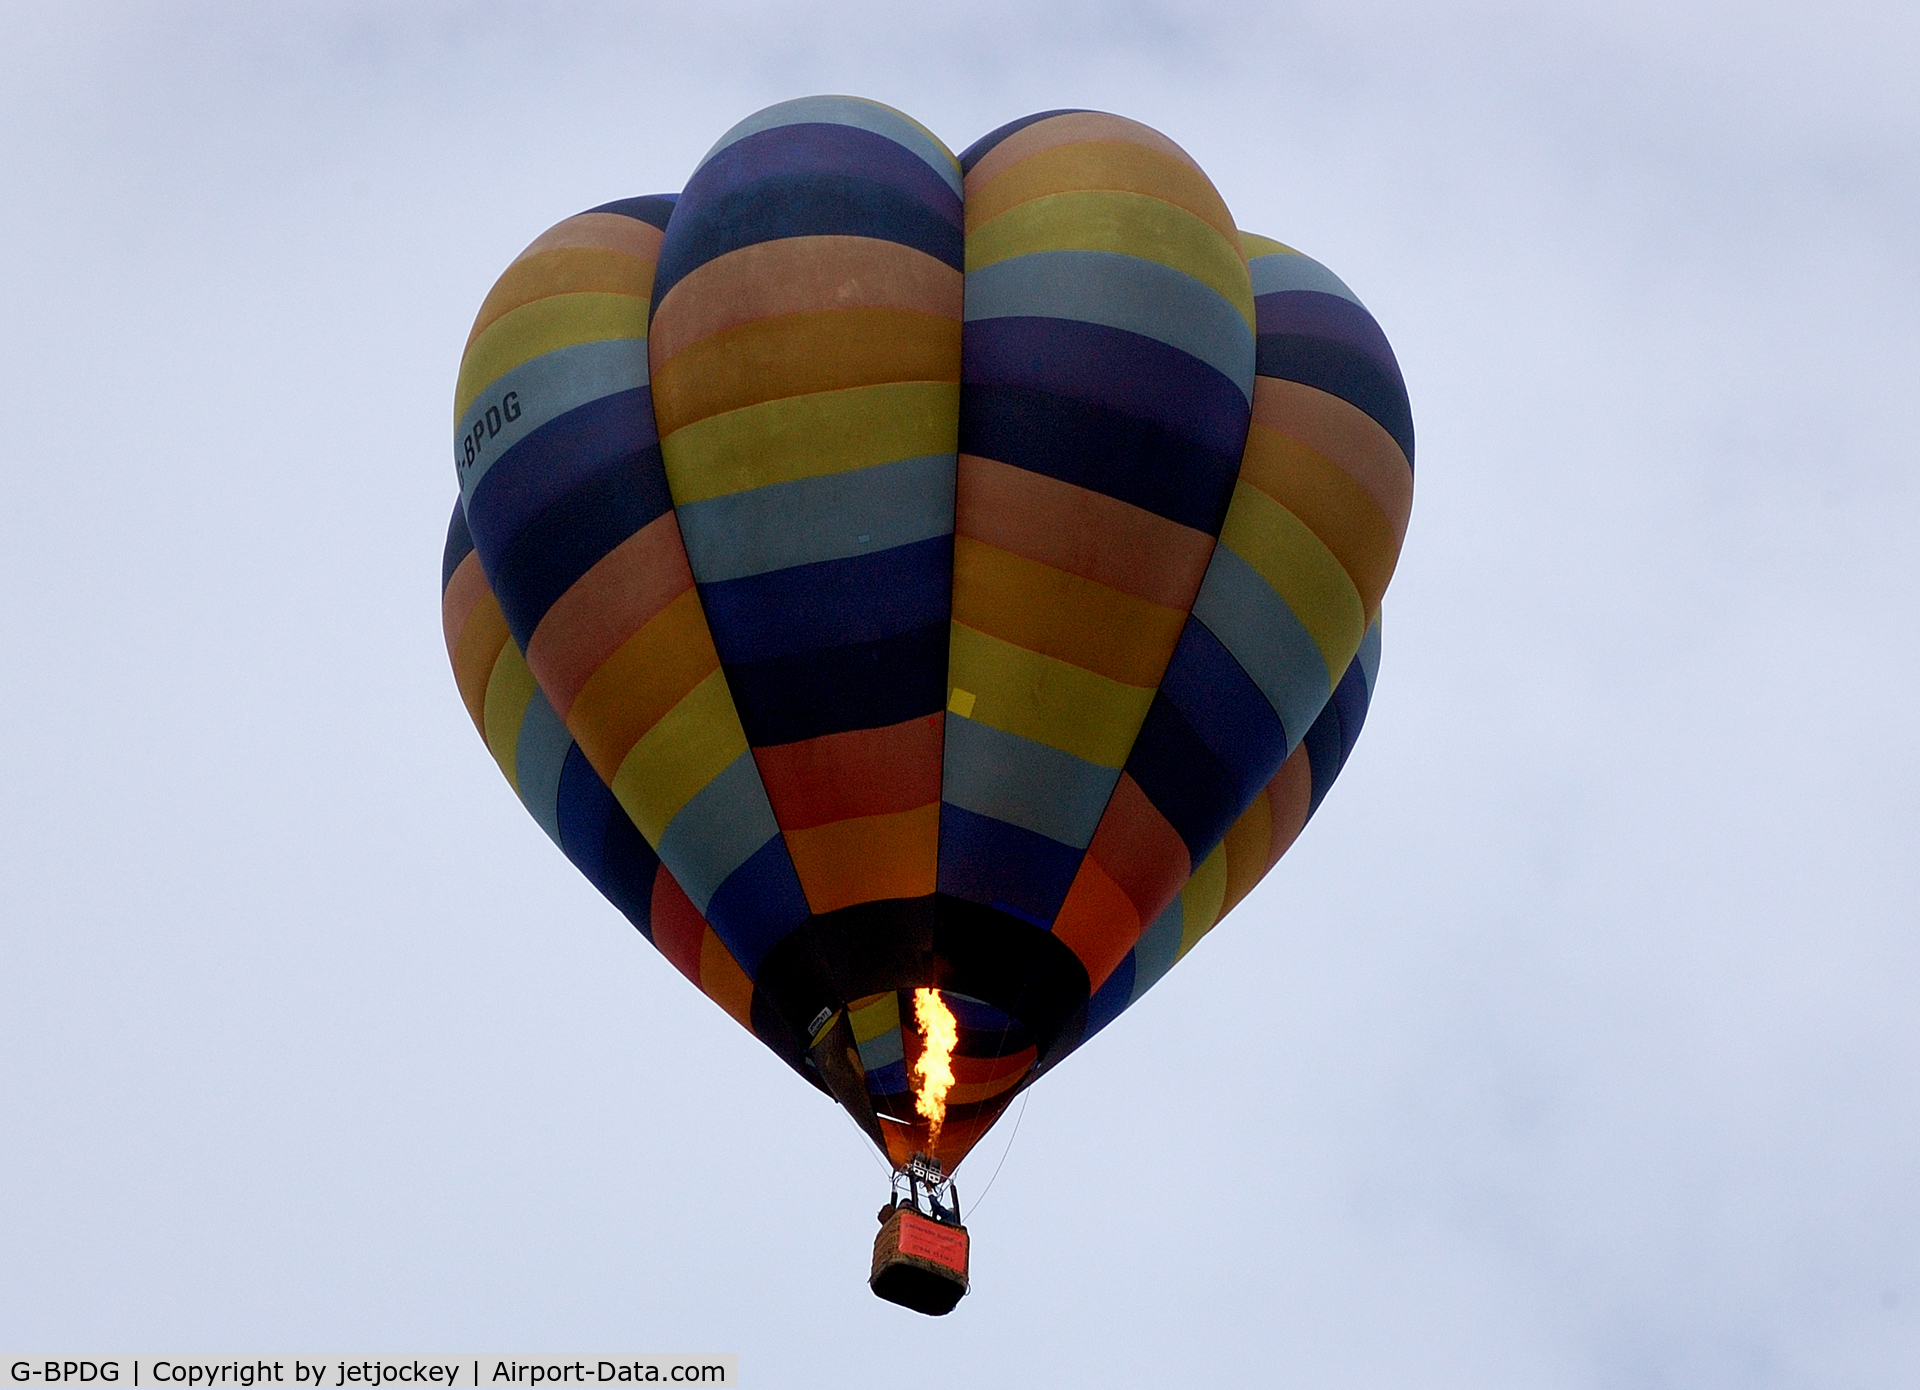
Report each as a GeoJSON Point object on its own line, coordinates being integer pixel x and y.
{"type": "Point", "coordinates": [933, 1070]}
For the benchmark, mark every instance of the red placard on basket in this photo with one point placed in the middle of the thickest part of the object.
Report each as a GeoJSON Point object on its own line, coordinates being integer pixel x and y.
{"type": "Point", "coordinates": [945, 1245]}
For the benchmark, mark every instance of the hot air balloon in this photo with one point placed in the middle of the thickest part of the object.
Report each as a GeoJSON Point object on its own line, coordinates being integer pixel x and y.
{"type": "Point", "coordinates": [923, 594]}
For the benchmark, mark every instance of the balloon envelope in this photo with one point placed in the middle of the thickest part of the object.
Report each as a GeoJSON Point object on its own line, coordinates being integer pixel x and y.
{"type": "Point", "coordinates": [880, 570]}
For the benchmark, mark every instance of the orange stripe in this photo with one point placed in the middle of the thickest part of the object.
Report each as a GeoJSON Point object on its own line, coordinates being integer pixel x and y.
{"type": "Point", "coordinates": [1120, 166]}
{"type": "Point", "coordinates": [1061, 615]}
{"type": "Point", "coordinates": [651, 673]}
{"type": "Point", "coordinates": [724, 982]}
{"type": "Point", "coordinates": [481, 642]}
{"type": "Point", "coordinates": [795, 274]}
{"type": "Point", "coordinates": [1082, 532]}
{"type": "Point", "coordinates": [1332, 505]}
{"type": "Point", "coordinates": [799, 354]}
{"type": "Point", "coordinates": [1345, 434]}
{"type": "Point", "coordinates": [1247, 843]}
{"type": "Point", "coordinates": [868, 859]}
{"type": "Point", "coordinates": [1066, 130]}
{"type": "Point", "coordinates": [865, 772]}
{"type": "Point", "coordinates": [611, 230]}
{"type": "Point", "coordinates": [465, 588]}
{"type": "Point", "coordinates": [563, 270]}
{"type": "Point", "coordinates": [621, 594]}
{"type": "Point", "coordinates": [1098, 922]}
{"type": "Point", "coordinates": [1290, 793]}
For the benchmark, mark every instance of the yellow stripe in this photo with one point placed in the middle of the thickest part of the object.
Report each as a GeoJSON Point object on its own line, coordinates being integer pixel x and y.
{"type": "Point", "coordinates": [1338, 510]}
{"type": "Point", "coordinates": [1301, 570]}
{"type": "Point", "coordinates": [810, 436]}
{"type": "Point", "coordinates": [880, 1017]}
{"type": "Point", "coordinates": [1130, 224]}
{"type": "Point", "coordinates": [509, 690]}
{"type": "Point", "coordinates": [542, 327]}
{"type": "Point", "coordinates": [1202, 898]}
{"type": "Point", "coordinates": [1253, 244]}
{"type": "Point", "coordinates": [1048, 701]}
{"type": "Point", "coordinates": [691, 745]}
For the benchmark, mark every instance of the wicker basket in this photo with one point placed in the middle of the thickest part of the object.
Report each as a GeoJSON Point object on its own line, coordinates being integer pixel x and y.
{"type": "Point", "coordinates": [919, 1264]}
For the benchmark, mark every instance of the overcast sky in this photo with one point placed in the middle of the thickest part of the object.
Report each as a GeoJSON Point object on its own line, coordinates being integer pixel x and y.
{"type": "Point", "coordinates": [1576, 1044]}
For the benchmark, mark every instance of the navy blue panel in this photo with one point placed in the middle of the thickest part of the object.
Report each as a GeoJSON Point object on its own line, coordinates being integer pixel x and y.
{"type": "Point", "coordinates": [1181, 776]}
{"type": "Point", "coordinates": [559, 456]}
{"type": "Point", "coordinates": [868, 685]}
{"type": "Point", "coordinates": [979, 147]}
{"type": "Point", "coordinates": [1099, 449]}
{"type": "Point", "coordinates": [1131, 373]}
{"type": "Point", "coordinates": [988, 861]}
{"type": "Point", "coordinates": [581, 808]}
{"type": "Point", "coordinates": [1355, 374]}
{"type": "Point", "coordinates": [800, 205]}
{"type": "Point", "coordinates": [1224, 707]}
{"type": "Point", "coordinates": [1350, 699]}
{"type": "Point", "coordinates": [654, 208]}
{"type": "Point", "coordinates": [1324, 758]}
{"type": "Point", "coordinates": [1110, 1000]}
{"type": "Point", "coordinates": [602, 843]}
{"type": "Point", "coordinates": [890, 1080]}
{"type": "Point", "coordinates": [832, 603]}
{"type": "Point", "coordinates": [815, 149]}
{"type": "Point", "coordinates": [459, 545]}
{"type": "Point", "coordinates": [573, 535]}
{"type": "Point", "coordinates": [759, 904]}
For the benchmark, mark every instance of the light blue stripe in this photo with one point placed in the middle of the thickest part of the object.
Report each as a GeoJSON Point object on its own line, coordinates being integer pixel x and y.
{"type": "Point", "coordinates": [1157, 948]}
{"type": "Point", "coordinates": [1013, 779]}
{"type": "Point", "coordinates": [1130, 293]}
{"type": "Point", "coordinates": [724, 825]}
{"type": "Point", "coordinates": [1369, 656]}
{"type": "Point", "coordinates": [543, 389]}
{"type": "Point", "coordinates": [1280, 272]}
{"type": "Point", "coordinates": [1255, 624]}
{"type": "Point", "coordinates": [825, 518]}
{"type": "Point", "coordinates": [859, 113]}
{"type": "Point", "coordinates": [538, 756]}
{"type": "Point", "coordinates": [876, 1053]}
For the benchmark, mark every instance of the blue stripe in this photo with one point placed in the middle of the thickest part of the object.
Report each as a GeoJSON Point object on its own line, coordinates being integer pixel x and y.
{"type": "Point", "coordinates": [1125, 292]}
{"type": "Point", "coordinates": [1138, 377]}
{"type": "Point", "coordinates": [459, 545]}
{"type": "Point", "coordinates": [539, 755]}
{"type": "Point", "coordinates": [573, 535]}
{"type": "Point", "coordinates": [1369, 655]}
{"type": "Point", "coordinates": [1031, 785]}
{"type": "Point", "coordinates": [793, 205]}
{"type": "Point", "coordinates": [1111, 999]}
{"type": "Point", "coordinates": [868, 685]}
{"type": "Point", "coordinates": [759, 904]}
{"type": "Point", "coordinates": [814, 519]}
{"type": "Point", "coordinates": [652, 208]}
{"type": "Point", "coordinates": [718, 830]}
{"type": "Point", "coordinates": [1158, 947]}
{"type": "Point", "coordinates": [1101, 450]}
{"type": "Point", "coordinates": [834, 603]}
{"type": "Point", "coordinates": [988, 861]}
{"type": "Point", "coordinates": [539, 391]}
{"type": "Point", "coordinates": [1254, 623]}
{"type": "Point", "coordinates": [555, 459]}
{"type": "Point", "coordinates": [603, 844]}
{"type": "Point", "coordinates": [848, 111]}
{"type": "Point", "coordinates": [1280, 272]}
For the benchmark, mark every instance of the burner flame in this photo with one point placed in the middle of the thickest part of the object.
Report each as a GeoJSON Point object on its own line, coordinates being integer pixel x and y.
{"type": "Point", "coordinates": [933, 1071]}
